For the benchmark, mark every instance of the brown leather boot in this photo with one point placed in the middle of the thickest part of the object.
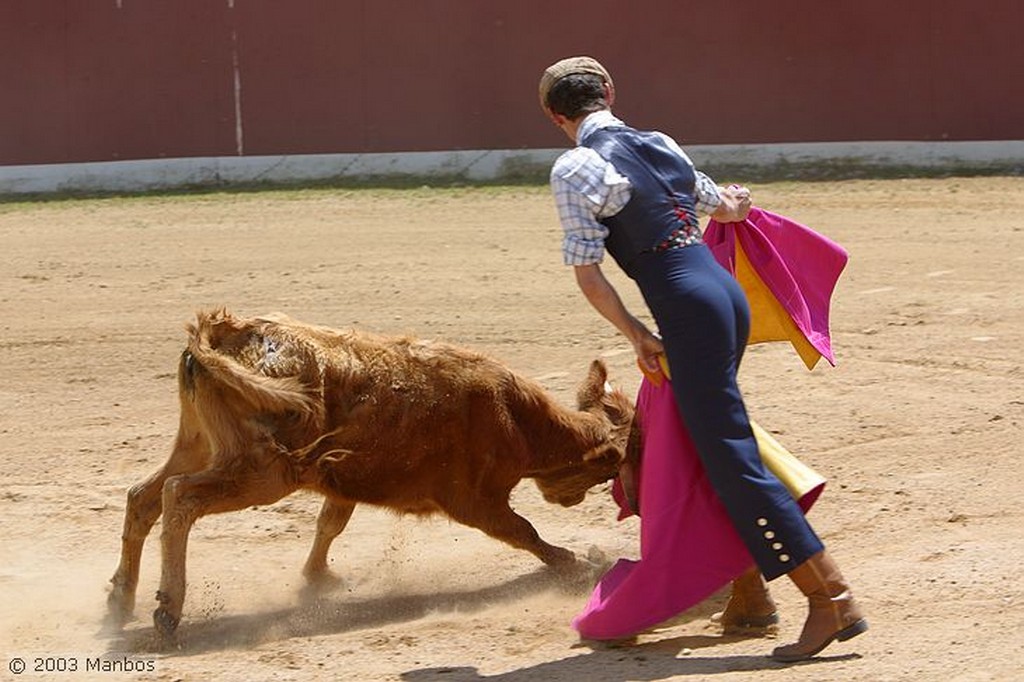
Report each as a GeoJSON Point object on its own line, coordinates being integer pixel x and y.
{"type": "Point", "coordinates": [750, 606]}
{"type": "Point", "coordinates": [833, 612]}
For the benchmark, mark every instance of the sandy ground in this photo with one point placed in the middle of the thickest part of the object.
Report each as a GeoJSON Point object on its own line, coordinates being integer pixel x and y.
{"type": "Point", "coordinates": [918, 430]}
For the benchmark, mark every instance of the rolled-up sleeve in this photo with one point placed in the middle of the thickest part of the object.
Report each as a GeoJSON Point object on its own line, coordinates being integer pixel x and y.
{"type": "Point", "coordinates": [586, 188]}
{"type": "Point", "coordinates": [706, 198]}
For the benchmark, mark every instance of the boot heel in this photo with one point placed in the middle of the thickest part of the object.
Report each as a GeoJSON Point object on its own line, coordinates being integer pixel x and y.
{"type": "Point", "coordinates": [851, 631]}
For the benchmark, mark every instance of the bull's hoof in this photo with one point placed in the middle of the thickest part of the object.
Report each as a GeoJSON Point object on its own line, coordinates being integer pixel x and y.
{"type": "Point", "coordinates": [164, 622]}
{"type": "Point", "coordinates": [319, 584]}
{"type": "Point", "coordinates": [116, 618]}
{"type": "Point", "coordinates": [120, 606]}
{"type": "Point", "coordinates": [321, 576]}
{"type": "Point", "coordinates": [597, 561]}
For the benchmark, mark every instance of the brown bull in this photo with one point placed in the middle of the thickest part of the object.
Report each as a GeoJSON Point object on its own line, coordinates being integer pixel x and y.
{"type": "Point", "coordinates": [271, 405]}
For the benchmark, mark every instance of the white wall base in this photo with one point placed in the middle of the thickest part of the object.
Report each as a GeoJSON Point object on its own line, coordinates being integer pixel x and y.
{"type": "Point", "coordinates": [805, 160]}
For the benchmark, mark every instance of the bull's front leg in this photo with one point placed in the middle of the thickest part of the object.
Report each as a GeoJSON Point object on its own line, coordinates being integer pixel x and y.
{"type": "Point", "coordinates": [495, 517]}
{"type": "Point", "coordinates": [141, 512]}
{"type": "Point", "coordinates": [189, 497]}
{"type": "Point", "coordinates": [334, 516]}
{"type": "Point", "coordinates": [142, 509]}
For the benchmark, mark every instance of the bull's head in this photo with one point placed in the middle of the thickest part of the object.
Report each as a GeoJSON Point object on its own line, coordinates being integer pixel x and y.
{"type": "Point", "coordinates": [568, 485]}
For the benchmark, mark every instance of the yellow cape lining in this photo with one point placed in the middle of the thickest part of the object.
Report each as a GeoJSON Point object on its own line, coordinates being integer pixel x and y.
{"type": "Point", "coordinates": [769, 321]}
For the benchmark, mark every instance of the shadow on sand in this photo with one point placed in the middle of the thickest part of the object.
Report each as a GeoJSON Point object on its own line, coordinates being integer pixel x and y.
{"type": "Point", "coordinates": [319, 613]}
{"type": "Point", "coordinates": [644, 662]}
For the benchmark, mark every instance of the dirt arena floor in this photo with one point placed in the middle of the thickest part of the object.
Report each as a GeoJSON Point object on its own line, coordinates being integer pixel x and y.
{"type": "Point", "coordinates": [918, 429]}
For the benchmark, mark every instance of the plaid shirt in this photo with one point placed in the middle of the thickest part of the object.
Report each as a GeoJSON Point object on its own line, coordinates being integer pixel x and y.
{"type": "Point", "coordinates": [588, 188]}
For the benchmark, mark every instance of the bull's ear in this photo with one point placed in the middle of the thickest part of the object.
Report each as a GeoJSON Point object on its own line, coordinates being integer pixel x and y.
{"type": "Point", "coordinates": [592, 389]}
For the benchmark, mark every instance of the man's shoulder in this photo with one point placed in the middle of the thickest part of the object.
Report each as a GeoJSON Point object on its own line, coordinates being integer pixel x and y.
{"type": "Point", "coordinates": [572, 161]}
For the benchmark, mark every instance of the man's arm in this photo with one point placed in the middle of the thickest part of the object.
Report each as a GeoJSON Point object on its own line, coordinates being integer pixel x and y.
{"type": "Point", "coordinates": [603, 297]}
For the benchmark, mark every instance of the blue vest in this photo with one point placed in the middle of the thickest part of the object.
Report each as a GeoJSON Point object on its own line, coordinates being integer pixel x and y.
{"type": "Point", "coordinates": [661, 202]}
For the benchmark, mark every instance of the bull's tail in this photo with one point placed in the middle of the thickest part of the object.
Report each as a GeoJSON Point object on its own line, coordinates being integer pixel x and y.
{"type": "Point", "coordinates": [200, 361]}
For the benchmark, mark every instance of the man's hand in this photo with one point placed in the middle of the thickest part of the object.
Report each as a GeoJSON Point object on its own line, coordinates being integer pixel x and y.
{"type": "Point", "coordinates": [735, 204]}
{"type": "Point", "coordinates": [648, 347]}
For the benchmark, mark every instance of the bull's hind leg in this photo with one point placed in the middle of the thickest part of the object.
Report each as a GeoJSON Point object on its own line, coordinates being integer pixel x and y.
{"type": "Point", "coordinates": [189, 497]}
{"type": "Point", "coordinates": [142, 509]}
{"type": "Point", "coordinates": [334, 516]}
{"type": "Point", "coordinates": [496, 518]}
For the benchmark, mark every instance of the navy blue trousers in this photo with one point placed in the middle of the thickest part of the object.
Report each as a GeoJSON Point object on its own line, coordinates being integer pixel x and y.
{"type": "Point", "coordinates": [704, 321]}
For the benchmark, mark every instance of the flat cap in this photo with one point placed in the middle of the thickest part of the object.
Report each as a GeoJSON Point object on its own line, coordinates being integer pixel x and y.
{"type": "Point", "coordinates": [569, 67]}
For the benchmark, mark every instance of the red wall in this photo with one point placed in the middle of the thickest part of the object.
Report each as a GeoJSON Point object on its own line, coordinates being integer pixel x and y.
{"type": "Point", "coordinates": [91, 80]}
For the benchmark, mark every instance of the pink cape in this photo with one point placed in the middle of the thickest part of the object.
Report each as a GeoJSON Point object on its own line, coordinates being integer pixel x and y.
{"type": "Point", "coordinates": [789, 282]}
{"type": "Point", "coordinates": [688, 546]}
